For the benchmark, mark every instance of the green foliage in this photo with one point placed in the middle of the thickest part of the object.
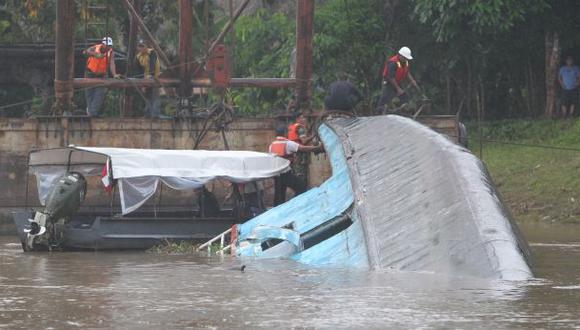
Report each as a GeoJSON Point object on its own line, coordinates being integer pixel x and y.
{"type": "Point", "coordinates": [181, 247]}
{"type": "Point", "coordinates": [450, 18]}
{"type": "Point", "coordinates": [264, 44]}
{"type": "Point", "coordinates": [349, 43]}
{"type": "Point", "coordinates": [26, 21]}
{"type": "Point", "coordinates": [464, 50]}
{"type": "Point", "coordinates": [537, 183]}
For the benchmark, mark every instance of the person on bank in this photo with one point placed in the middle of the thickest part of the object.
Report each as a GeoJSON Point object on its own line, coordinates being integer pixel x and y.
{"type": "Point", "coordinates": [396, 71]}
{"type": "Point", "coordinates": [285, 148]}
{"type": "Point", "coordinates": [569, 79]}
{"type": "Point", "coordinates": [101, 59]}
{"type": "Point", "coordinates": [342, 96]}
{"type": "Point", "coordinates": [148, 63]}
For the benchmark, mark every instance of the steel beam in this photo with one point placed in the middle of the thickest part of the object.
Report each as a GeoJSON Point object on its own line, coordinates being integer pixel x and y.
{"type": "Point", "coordinates": [170, 82]}
{"type": "Point", "coordinates": [228, 26]}
{"type": "Point", "coordinates": [185, 47]}
{"type": "Point", "coordinates": [64, 56]}
{"type": "Point", "coordinates": [164, 59]}
{"type": "Point", "coordinates": [304, 45]}
{"type": "Point", "coordinates": [131, 50]}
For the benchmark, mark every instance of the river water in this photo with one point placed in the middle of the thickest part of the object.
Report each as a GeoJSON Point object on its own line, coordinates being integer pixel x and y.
{"type": "Point", "coordinates": [137, 290]}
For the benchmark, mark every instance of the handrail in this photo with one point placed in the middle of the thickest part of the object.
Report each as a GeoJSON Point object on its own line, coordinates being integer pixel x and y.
{"type": "Point", "coordinates": [221, 237]}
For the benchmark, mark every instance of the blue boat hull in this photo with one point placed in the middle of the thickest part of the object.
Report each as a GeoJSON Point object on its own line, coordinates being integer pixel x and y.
{"type": "Point", "coordinates": [415, 200]}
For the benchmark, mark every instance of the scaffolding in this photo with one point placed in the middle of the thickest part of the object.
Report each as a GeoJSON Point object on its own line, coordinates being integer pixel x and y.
{"type": "Point", "coordinates": [212, 71]}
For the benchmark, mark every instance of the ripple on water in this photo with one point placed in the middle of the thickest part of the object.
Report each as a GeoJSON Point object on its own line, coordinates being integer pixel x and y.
{"type": "Point", "coordinates": [567, 287]}
{"type": "Point", "coordinates": [120, 290]}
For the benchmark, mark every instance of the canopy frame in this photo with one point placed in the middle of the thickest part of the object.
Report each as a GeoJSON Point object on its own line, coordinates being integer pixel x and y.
{"type": "Point", "coordinates": [179, 169]}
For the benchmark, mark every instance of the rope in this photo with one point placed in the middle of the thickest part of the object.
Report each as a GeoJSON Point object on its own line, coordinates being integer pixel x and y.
{"type": "Point", "coordinates": [525, 145]}
{"type": "Point", "coordinates": [529, 145]}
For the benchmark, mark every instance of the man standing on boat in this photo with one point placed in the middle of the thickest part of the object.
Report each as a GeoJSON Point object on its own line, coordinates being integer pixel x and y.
{"type": "Point", "coordinates": [286, 148]}
{"type": "Point", "coordinates": [396, 71]}
{"type": "Point", "coordinates": [298, 132]}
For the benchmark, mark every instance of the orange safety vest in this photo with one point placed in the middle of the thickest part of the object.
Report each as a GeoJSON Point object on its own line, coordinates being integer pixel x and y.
{"type": "Point", "coordinates": [99, 65]}
{"type": "Point", "coordinates": [293, 132]}
{"type": "Point", "coordinates": [278, 147]}
{"type": "Point", "coordinates": [402, 70]}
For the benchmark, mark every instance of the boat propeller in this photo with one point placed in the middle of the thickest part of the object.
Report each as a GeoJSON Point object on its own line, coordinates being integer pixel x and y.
{"type": "Point", "coordinates": [35, 229]}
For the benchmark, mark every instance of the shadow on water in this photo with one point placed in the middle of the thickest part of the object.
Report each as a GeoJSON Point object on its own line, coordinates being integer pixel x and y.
{"type": "Point", "coordinates": [135, 290]}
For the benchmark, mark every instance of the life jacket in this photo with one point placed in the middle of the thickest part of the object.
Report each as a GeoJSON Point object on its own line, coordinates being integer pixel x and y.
{"type": "Point", "coordinates": [293, 134]}
{"type": "Point", "coordinates": [402, 70]}
{"type": "Point", "coordinates": [99, 65]}
{"type": "Point", "coordinates": [278, 147]}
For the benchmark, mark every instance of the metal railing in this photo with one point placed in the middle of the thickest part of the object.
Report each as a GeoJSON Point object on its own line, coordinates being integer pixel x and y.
{"type": "Point", "coordinates": [221, 237]}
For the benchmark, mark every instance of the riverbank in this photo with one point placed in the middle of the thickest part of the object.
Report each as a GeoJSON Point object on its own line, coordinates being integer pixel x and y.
{"type": "Point", "coordinates": [537, 183]}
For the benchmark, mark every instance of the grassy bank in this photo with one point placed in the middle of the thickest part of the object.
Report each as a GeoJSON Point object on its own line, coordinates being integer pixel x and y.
{"type": "Point", "coordinates": [538, 184]}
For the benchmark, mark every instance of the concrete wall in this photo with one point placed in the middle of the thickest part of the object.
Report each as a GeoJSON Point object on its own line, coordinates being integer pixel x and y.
{"type": "Point", "coordinates": [19, 136]}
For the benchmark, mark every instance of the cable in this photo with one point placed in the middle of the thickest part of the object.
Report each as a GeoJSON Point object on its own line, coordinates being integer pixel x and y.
{"type": "Point", "coordinates": [533, 145]}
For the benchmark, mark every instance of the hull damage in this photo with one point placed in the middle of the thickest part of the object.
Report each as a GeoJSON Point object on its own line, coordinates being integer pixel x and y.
{"type": "Point", "coordinates": [417, 202]}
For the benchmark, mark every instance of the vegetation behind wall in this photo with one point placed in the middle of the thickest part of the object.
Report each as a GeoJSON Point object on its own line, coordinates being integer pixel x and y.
{"type": "Point", "coordinates": [469, 55]}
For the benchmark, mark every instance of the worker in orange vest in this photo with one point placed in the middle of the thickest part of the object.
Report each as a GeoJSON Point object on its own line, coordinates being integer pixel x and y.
{"type": "Point", "coordinates": [297, 131]}
{"type": "Point", "coordinates": [286, 148]}
{"type": "Point", "coordinates": [396, 70]}
{"type": "Point", "coordinates": [101, 59]}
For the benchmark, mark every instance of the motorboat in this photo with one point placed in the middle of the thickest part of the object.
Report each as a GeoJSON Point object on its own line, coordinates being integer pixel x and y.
{"type": "Point", "coordinates": [68, 178]}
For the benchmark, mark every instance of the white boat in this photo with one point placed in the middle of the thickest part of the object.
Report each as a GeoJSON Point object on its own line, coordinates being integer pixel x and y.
{"type": "Point", "coordinates": [135, 175]}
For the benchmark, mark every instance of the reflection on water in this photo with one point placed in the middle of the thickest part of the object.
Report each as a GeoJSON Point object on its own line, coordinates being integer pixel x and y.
{"type": "Point", "coordinates": [137, 290]}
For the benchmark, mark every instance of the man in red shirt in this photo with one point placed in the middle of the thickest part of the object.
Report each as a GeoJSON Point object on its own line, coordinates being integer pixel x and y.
{"type": "Point", "coordinates": [396, 71]}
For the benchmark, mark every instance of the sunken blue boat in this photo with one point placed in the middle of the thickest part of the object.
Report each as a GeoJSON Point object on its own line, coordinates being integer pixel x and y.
{"type": "Point", "coordinates": [401, 197]}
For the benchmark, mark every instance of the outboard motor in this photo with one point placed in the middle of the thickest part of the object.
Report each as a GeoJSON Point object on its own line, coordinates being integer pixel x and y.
{"type": "Point", "coordinates": [46, 230]}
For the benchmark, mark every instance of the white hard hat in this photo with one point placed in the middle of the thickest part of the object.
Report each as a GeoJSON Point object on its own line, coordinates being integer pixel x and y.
{"type": "Point", "coordinates": [406, 53]}
{"type": "Point", "coordinates": [108, 41]}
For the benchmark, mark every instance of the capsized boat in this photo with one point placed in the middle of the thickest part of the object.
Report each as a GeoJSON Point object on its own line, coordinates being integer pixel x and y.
{"type": "Point", "coordinates": [62, 176]}
{"type": "Point", "coordinates": [401, 197]}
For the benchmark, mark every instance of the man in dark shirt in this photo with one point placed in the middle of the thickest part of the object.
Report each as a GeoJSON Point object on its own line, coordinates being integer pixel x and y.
{"type": "Point", "coordinates": [342, 96]}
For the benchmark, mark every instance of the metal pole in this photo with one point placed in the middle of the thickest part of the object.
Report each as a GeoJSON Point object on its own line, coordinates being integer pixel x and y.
{"type": "Point", "coordinates": [132, 45]}
{"type": "Point", "coordinates": [304, 45]}
{"type": "Point", "coordinates": [171, 82]}
{"type": "Point", "coordinates": [233, 31]}
{"type": "Point", "coordinates": [479, 128]}
{"type": "Point", "coordinates": [27, 188]}
{"type": "Point", "coordinates": [228, 26]}
{"type": "Point", "coordinates": [64, 56]}
{"type": "Point", "coordinates": [185, 46]}
{"type": "Point", "coordinates": [148, 34]}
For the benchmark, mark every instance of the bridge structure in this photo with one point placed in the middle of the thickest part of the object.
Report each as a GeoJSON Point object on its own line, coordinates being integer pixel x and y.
{"type": "Point", "coordinates": [209, 69]}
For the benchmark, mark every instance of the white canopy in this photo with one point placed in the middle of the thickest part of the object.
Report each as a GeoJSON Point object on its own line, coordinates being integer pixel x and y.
{"type": "Point", "coordinates": [139, 171]}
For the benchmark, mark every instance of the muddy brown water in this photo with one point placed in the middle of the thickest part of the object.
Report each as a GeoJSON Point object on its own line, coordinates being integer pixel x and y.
{"type": "Point", "coordinates": [137, 290]}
